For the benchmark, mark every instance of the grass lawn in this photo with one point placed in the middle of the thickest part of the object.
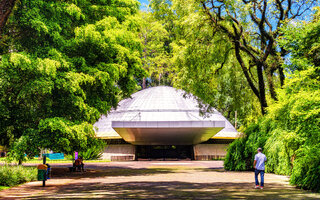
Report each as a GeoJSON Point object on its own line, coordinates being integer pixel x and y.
{"type": "Point", "coordinates": [4, 187]}
{"type": "Point", "coordinates": [39, 161]}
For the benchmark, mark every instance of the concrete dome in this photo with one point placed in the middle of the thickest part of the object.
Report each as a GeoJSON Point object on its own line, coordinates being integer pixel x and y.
{"type": "Point", "coordinates": [154, 112]}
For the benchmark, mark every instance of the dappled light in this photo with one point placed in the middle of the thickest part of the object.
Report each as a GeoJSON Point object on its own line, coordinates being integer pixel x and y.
{"type": "Point", "coordinates": [160, 183]}
{"type": "Point", "coordinates": [160, 99]}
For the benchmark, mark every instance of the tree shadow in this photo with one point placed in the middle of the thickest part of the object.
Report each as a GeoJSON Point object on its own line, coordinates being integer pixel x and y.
{"type": "Point", "coordinates": [118, 171]}
{"type": "Point", "coordinates": [173, 190]}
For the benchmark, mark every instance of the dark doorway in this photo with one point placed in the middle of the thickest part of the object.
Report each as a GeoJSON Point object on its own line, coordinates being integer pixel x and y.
{"type": "Point", "coordinates": [164, 152]}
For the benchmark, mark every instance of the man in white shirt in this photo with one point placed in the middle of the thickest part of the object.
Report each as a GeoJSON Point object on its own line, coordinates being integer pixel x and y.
{"type": "Point", "coordinates": [258, 164]}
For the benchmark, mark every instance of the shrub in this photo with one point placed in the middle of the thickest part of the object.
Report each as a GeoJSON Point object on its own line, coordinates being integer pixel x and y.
{"type": "Point", "coordinates": [235, 159]}
{"type": "Point", "coordinates": [14, 175]}
{"type": "Point", "coordinates": [241, 152]}
{"type": "Point", "coordinates": [95, 152]}
{"type": "Point", "coordinates": [289, 134]}
{"type": "Point", "coordinates": [306, 170]}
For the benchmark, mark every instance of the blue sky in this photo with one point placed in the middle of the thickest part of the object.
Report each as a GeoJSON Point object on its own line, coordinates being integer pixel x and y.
{"type": "Point", "coordinates": [144, 3]}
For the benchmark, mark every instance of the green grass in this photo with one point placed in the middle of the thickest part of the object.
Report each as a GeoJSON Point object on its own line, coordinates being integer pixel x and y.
{"type": "Point", "coordinates": [3, 187]}
{"type": "Point", "coordinates": [36, 161]}
{"type": "Point", "coordinates": [15, 175]}
{"type": "Point", "coordinates": [39, 161]}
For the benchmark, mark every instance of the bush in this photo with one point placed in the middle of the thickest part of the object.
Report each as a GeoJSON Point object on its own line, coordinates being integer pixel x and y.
{"type": "Point", "coordinates": [235, 158]}
{"type": "Point", "coordinates": [95, 152]}
{"type": "Point", "coordinates": [306, 170]}
{"type": "Point", "coordinates": [240, 154]}
{"type": "Point", "coordinates": [14, 175]}
{"type": "Point", "coordinates": [289, 134]}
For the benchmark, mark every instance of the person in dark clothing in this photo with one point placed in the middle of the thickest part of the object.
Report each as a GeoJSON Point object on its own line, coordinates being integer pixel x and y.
{"type": "Point", "coordinates": [78, 164]}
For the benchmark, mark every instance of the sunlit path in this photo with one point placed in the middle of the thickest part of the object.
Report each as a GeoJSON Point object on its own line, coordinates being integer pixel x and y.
{"type": "Point", "coordinates": [173, 180]}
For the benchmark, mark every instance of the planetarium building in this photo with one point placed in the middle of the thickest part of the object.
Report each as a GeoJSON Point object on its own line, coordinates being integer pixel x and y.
{"type": "Point", "coordinates": [160, 123]}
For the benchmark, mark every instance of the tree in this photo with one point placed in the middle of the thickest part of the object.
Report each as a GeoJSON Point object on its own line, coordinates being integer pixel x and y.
{"type": "Point", "coordinates": [206, 65]}
{"type": "Point", "coordinates": [301, 40]}
{"type": "Point", "coordinates": [290, 131]}
{"type": "Point", "coordinates": [160, 31]}
{"type": "Point", "coordinates": [253, 28]}
{"type": "Point", "coordinates": [65, 64]}
{"type": "Point", "coordinates": [6, 7]}
{"type": "Point", "coordinates": [156, 60]}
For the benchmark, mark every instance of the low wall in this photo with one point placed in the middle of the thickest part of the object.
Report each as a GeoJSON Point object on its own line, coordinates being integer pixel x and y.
{"type": "Point", "coordinates": [119, 152]}
{"type": "Point", "coordinates": [209, 151]}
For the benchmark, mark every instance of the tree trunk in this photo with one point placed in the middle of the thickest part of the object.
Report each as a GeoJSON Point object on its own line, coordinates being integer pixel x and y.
{"type": "Point", "coordinates": [144, 86]}
{"type": "Point", "coordinates": [271, 86]}
{"type": "Point", "coordinates": [262, 90]}
{"type": "Point", "coordinates": [6, 6]}
{"type": "Point", "coordinates": [260, 93]}
{"type": "Point", "coordinates": [160, 75]}
{"type": "Point", "coordinates": [245, 70]}
{"type": "Point", "coordinates": [282, 77]}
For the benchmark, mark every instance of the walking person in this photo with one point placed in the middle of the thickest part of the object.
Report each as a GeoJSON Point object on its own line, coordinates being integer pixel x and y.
{"type": "Point", "coordinates": [258, 164]}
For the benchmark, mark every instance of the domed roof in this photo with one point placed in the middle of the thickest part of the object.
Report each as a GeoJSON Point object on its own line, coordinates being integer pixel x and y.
{"type": "Point", "coordinates": [164, 105]}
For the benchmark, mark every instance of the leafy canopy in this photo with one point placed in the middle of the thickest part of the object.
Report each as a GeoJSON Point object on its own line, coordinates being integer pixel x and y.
{"type": "Point", "coordinates": [290, 131]}
{"type": "Point", "coordinates": [64, 63]}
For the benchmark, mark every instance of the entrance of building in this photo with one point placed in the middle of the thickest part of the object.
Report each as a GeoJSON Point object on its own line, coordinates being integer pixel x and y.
{"type": "Point", "coordinates": [164, 152]}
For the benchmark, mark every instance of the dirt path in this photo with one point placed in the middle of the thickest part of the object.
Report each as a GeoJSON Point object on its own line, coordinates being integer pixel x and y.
{"type": "Point", "coordinates": [156, 181]}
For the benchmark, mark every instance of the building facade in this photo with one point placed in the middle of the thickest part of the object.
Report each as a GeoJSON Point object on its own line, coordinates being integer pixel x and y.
{"type": "Point", "coordinates": [164, 123]}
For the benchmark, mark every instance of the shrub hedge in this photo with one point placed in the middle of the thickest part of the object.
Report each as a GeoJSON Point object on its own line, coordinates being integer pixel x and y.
{"type": "Point", "coordinates": [14, 175]}
{"type": "Point", "coordinates": [289, 134]}
{"type": "Point", "coordinates": [94, 152]}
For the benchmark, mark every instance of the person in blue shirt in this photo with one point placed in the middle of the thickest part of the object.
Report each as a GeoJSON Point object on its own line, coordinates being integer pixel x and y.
{"type": "Point", "coordinates": [258, 164]}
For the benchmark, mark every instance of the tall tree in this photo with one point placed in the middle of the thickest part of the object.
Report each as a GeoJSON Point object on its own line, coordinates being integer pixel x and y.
{"type": "Point", "coordinates": [253, 28]}
{"type": "Point", "coordinates": [162, 17]}
{"type": "Point", "coordinates": [66, 63]}
{"type": "Point", "coordinates": [290, 131]}
{"type": "Point", "coordinates": [156, 59]}
{"type": "Point", "coordinates": [206, 65]}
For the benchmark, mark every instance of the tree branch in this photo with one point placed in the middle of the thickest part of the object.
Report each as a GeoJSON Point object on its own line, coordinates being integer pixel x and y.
{"type": "Point", "coordinates": [6, 7]}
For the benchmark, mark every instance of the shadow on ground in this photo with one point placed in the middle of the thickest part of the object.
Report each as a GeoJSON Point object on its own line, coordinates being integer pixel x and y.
{"type": "Point", "coordinates": [93, 173]}
{"type": "Point", "coordinates": [154, 183]}
{"type": "Point", "coordinates": [59, 172]}
{"type": "Point", "coordinates": [172, 190]}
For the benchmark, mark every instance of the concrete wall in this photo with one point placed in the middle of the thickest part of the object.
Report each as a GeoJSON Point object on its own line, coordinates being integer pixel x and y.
{"type": "Point", "coordinates": [209, 151]}
{"type": "Point", "coordinates": [123, 152]}
{"type": "Point", "coordinates": [119, 152]}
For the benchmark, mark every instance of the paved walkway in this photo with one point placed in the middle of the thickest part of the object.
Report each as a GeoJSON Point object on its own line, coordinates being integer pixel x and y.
{"type": "Point", "coordinates": [156, 180]}
{"type": "Point", "coordinates": [144, 164]}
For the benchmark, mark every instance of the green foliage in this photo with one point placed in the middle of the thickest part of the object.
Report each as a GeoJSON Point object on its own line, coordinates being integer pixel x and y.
{"type": "Point", "coordinates": [157, 34]}
{"type": "Point", "coordinates": [240, 153]}
{"type": "Point", "coordinates": [156, 58]}
{"type": "Point", "coordinates": [289, 134]}
{"type": "Point", "coordinates": [94, 152]}
{"type": "Point", "coordinates": [19, 148]}
{"type": "Point", "coordinates": [64, 64]}
{"type": "Point", "coordinates": [292, 125]}
{"type": "Point", "coordinates": [235, 158]}
{"type": "Point", "coordinates": [302, 40]}
{"type": "Point", "coordinates": [206, 65]}
{"type": "Point", "coordinates": [4, 187]}
{"type": "Point", "coordinates": [14, 175]}
{"type": "Point", "coordinates": [306, 170]}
